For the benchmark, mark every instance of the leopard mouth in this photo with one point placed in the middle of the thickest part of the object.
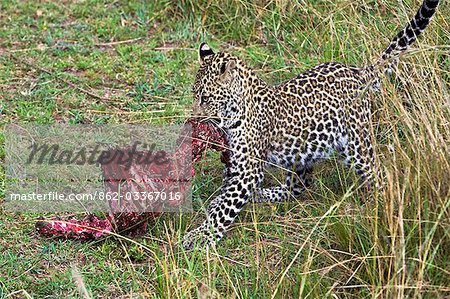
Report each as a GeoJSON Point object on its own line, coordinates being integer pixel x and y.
{"type": "Point", "coordinates": [209, 119]}
{"type": "Point", "coordinates": [215, 121]}
{"type": "Point", "coordinates": [203, 117]}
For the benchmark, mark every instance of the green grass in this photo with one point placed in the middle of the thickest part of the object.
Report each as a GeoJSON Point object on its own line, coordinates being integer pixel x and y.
{"type": "Point", "coordinates": [96, 62]}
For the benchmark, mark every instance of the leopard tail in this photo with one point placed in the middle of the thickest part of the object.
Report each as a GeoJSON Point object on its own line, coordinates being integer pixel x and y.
{"type": "Point", "coordinates": [408, 35]}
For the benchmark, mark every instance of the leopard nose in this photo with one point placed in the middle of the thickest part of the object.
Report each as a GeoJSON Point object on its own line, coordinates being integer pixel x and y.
{"type": "Point", "coordinates": [196, 110]}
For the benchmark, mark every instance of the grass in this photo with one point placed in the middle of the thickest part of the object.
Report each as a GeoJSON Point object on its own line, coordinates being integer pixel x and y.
{"type": "Point", "coordinates": [115, 62]}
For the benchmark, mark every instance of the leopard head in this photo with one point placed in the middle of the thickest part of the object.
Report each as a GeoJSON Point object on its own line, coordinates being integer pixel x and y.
{"type": "Point", "coordinates": [218, 86]}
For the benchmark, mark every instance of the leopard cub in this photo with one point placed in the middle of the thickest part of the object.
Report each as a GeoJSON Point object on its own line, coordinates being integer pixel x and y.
{"type": "Point", "coordinates": [293, 124]}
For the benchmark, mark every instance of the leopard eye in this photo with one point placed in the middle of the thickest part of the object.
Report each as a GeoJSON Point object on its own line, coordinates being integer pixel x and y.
{"type": "Point", "coordinates": [203, 99]}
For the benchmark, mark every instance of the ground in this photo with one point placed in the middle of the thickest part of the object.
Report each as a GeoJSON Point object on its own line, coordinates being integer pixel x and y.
{"type": "Point", "coordinates": [133, 62]}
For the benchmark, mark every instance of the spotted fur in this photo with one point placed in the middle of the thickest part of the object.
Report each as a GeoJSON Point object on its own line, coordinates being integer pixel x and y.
{"type": "Point", "coordinates": [294, 124]}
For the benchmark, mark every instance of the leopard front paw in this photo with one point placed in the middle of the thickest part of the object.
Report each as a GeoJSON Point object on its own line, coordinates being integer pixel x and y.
{"type": "Point", "coordinates": [198, 238]}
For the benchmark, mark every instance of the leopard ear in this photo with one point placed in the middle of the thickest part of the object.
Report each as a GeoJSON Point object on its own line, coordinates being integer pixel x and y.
{"type": "Point", "coordinates": [226, 70]}
{"type": "Point", "coordinates": [227, 67]}
{"type": "Point", "coordinates": [204, 51]}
